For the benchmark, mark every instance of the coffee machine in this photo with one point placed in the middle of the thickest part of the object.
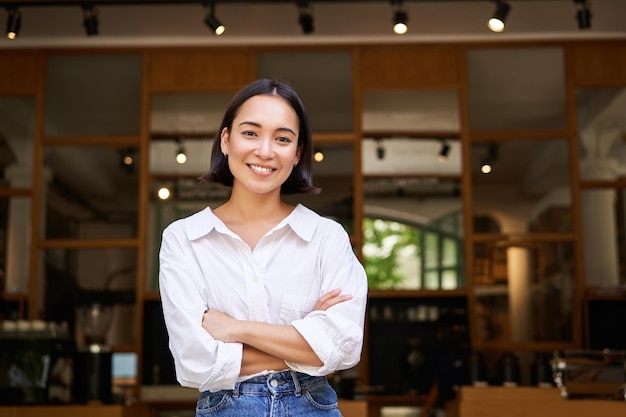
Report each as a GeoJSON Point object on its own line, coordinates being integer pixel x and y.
{"type": "Point", "coordinates": [92, 366]}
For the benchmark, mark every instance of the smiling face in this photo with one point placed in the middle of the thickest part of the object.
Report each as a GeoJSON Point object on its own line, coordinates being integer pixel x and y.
{"type": "Point", "coordinates": [262, 144]}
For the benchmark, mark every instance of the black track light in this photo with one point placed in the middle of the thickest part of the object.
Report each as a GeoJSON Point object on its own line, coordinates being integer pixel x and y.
{"type": "Point", "coordinates": [490, 158]}
{"type": "Point", "coordinates": [497, 21]}
{"type": "Point", "coordinates": [400, 18]}
{"type": "Point", "coordinates": [90, 20]}
{"type": "Point", "coordinates": [380, 149]}
{"type": "Point", "coordinates": [305, 16]}
{"type": "Point", "coordinates": [444, 151]}
{"type": "Point", "coordinates": [213, 22]}
{"type": "Point", "coordinates": [583, 14]}
{"type": "Point", "coordinates": [181, 153]}
{"type": "Point", "coordinates": [14, 22]}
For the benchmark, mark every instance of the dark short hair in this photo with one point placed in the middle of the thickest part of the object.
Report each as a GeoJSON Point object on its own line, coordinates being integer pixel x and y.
{"type": "Point", "coordinates": [300, 180]}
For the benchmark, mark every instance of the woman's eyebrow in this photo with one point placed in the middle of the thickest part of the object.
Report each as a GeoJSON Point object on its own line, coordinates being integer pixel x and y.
{"type": "Point", "coordinates": [280, 129]}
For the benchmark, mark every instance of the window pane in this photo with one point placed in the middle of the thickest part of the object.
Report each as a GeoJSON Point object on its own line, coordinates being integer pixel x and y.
{"type": "Point", "coordinates": [431, 280]}
{"type": "Point", "coordinates": [534, 76]}
{"type": "Point", "coordinates": [92, 192]}
{"type": "Point", "coordinates": [78, 278]}
{"type": "Point", "coordinates": [604, 236]}
{"type": "Point", "coordinates": [601, 118]}
{"type": "Point", "coordinates": [449, 279]}
{"type": "Point", "coordinates": [431, 250]}
{"type": "Point", "coordinates": [411, 110]}
{"type": "Point", "coordinates": [93, 95]}
{"type": "Point", "coordinates": [527, 188]}
{"type": "Point", "coordinates": [524, 291]}
{"type": "Point", "coordinates": [15, 220]}
{"type": "Point", "coordinates": [449, 256]}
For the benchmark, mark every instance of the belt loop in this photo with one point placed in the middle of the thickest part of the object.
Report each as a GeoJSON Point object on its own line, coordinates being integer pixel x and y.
{"type": "Point", "coordinates": [236, 390]}
{"type": "Point", "coordinates": [296, 383]}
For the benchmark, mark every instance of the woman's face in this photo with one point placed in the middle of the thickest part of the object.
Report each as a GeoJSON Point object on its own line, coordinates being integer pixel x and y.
{"type": "Point", "coordinates": [262, 145]}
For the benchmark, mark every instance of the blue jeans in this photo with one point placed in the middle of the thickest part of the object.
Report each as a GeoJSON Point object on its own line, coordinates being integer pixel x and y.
{"type": "Point", "coordinates": [280, 394]}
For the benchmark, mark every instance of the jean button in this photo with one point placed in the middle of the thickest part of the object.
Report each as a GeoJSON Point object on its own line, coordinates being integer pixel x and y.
{"type": "Point", "coordinates": [274, 383]}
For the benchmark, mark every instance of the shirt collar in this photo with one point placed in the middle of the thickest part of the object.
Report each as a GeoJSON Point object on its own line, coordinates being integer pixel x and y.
{"type": "Point", "coordinates": [302, 221]}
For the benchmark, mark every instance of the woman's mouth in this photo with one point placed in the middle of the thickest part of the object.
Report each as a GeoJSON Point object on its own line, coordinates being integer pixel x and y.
{"type": "Point", "coordinates": [260, 169]}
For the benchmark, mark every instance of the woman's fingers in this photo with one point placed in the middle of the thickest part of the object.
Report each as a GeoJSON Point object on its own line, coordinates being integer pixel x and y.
{"type": "Point", "coordinates": [330, 299]}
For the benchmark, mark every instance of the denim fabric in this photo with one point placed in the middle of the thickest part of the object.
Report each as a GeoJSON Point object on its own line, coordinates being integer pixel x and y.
{"type": "Point", "coordinates": [281, 394]}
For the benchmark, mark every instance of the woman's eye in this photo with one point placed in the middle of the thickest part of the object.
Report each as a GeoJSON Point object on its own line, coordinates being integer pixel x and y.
{"type": "Point", "coordinates": [247, 133]}
{"type": "Point", "coordinates": [284, 139]}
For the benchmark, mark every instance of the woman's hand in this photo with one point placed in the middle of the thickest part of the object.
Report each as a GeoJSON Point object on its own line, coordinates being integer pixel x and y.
{"type": "Point", "coordinates": [220, 325]}
{"type": "Point", "coordinates": [330, 299]}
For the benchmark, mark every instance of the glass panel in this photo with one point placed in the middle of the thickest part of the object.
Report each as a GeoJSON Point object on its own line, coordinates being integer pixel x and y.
{"type": "Point", "coordinates": [17, 117]}
{"type": "Point", "coordinates": [92, 192]}
{"type": "Point", "coordinates": [79, 278]}
{"type": "Point", "coordinates": [411, 110]}
{"type": "Point", "coordinates": [192, 114]}
{"type": "Point", "coordinates": [405, 336]}
{"type": "Point", "coordinates": [517, 88]}
{"type": "Point", "coordinates": [604, 236]}
{"type": "Point", "coordinates": [525, 189]}
{"type": "Point", "coordinates": [93, 95]}
{"type": "Point", "coordinates": [601, 117]}
{"type": "Point", "coordinates": [15, 213]}
{"type": "Point", "coordinates": [524, 291]}
{"type": "Point", "coordinates": [326, 91]}
{"type": "Point", "coordinates": [409, 156]}
{"type": "Point", "coordinates": [404, 255]}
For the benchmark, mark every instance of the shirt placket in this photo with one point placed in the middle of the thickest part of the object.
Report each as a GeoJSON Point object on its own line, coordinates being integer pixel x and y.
{"type": "Point", "coordinates": [254, 265]}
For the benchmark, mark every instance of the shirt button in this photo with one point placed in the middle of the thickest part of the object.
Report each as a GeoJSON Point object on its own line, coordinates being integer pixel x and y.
{"type": "Point", "coordinates": [274, 383]}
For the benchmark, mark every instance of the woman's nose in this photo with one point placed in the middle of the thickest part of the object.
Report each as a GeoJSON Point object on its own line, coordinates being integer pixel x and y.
{"type": "Point", "coordinates": [265, 148]}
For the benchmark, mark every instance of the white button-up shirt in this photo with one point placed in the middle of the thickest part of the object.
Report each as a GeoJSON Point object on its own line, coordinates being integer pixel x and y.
{"type": "Point", "coordinates": [205, 265]}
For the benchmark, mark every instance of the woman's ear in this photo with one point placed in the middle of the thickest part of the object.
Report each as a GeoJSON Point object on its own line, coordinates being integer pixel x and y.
{"type": "Point", "coordinates": [298, 155]}
{"type": "Point", "coordinates": [224, 141]}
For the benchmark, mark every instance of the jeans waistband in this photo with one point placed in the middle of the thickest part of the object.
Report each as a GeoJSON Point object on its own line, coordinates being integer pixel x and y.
{"type": "Point", "coordinates": [287, 382]}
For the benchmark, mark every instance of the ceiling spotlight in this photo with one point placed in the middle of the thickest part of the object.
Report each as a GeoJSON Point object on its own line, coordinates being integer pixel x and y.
{"type": "Point", "coordinates": [400, 18]}
{"type": "Point", "coordinates": [490, 158]}
{"type": "Point", "coordinates": [444, 151]}
{"type": "Point", "coordinates": [496, 23]}
{"type": "Point", "coordinates": [318, 155]}
{"type": "Point", "coordinates": [213, 22]}
{"type": "Point", "coordinates": [90, 20]}
{"type": "Point", "coordinates": [306, 16]}
{"type": "Point", "coordinates": [181, 154]}
{"type": "Point", "coordinates": [380, 150]}
{"type": "Point", "coordinates": [127, 160]}
{"type": "Point", "coordinates": [164, 193]}
{"type": "Point", "coordinates": [14, 22]}
{"type": "Point", "coordinates": [583, 14]}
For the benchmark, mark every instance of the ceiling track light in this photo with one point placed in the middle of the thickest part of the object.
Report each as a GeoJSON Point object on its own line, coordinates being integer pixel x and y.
{"type": "Point", "coordinates": [380, 149]}
{"type": "Point", "coordinates": [90, 20]}
{"type": "Point", "coordinates": [400, 18]}
{"type": "Point", "coordinates": [305, 16]}
{"type": "Point", "coordinates": [583, 14]}
{"type": "Point", "coordinates": [14, 22]}
{"type": "Point", "coordinates": [444, 151]}
{"type": "Point", "coordinates": [213, 22]}
{"type": "Point", "coordinates": [497, 22]}
{"type": "Point", "coordinates": [181, 153]}
{"type": "Point", "coordinates": [489, 159]}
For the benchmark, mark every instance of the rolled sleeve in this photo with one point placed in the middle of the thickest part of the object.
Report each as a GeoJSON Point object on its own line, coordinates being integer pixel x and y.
{"type": "Point", "coordinates": [336, 342]}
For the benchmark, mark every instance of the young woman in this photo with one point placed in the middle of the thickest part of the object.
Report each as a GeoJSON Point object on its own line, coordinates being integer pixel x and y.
{"type": "Point", "coordinates": [262, 299]}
